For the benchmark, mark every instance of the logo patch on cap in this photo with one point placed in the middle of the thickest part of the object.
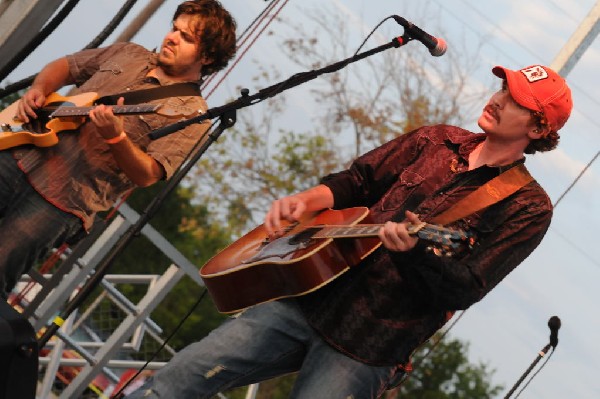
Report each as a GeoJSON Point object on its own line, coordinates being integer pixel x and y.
{"type": "Point", "coordinates": [534, 73]}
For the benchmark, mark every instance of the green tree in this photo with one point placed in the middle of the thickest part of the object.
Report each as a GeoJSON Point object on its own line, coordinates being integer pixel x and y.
{"type": "Point", "coordinates": [255, 163]}
{"type": "Point", "coordinates": [442, 371]}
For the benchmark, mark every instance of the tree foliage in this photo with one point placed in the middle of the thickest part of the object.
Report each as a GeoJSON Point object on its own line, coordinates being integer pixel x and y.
{"type": "Point", "coordinates": [442, 371]}
{"type": "Point", "coordinates": [257, 163]}
{"type": "Point", "coordinates": [389, 93]}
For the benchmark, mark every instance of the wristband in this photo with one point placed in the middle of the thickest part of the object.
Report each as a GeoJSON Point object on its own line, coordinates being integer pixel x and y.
{"type": "Point", "coordinates": [116, 139]}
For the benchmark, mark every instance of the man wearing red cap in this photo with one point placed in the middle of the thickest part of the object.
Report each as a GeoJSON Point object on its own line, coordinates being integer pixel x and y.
{"type": "Point", "coordinates": [353, 337]}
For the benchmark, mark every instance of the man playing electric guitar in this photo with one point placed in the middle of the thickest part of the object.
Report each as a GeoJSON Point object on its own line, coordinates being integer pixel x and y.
{"type": "Point", "coordinates": [48, 195]}
{"type": "Point", "coordinates": [353, 337]}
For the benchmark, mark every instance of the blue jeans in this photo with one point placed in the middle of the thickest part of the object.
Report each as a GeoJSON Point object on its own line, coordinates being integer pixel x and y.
{"type": "Point", "coordinates": [29, 225]}
{"type": "Point", "coordinates": [263, 342]}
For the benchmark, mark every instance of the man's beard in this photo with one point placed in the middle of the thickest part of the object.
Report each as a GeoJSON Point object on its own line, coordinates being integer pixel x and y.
{"type": "Point", "coordinates": [169, 69]}
{"type": "Point", "coordinates": [173, 70]}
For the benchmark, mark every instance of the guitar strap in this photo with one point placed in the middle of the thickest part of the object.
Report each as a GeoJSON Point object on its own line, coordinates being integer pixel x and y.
{"type": "Point", "coordinates": [500, 187]}
{"type": "Point", "coordinates": [145, 95]}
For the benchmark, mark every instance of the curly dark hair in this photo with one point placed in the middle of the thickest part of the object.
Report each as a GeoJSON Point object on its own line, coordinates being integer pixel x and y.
{"type": "Point", "coordinates": [216, 32]}
{"type": "Point", "coordinates": [546, 143]}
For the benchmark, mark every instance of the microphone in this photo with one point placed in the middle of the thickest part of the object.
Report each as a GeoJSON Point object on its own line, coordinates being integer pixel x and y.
{"type": "Point", "coordinates": [436, 46]}
{"type": "Point", "coordinates": [554, 325]}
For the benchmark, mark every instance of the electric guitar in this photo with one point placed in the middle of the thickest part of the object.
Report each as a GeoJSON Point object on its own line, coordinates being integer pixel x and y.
{"type": "Point", "coordinates": [64, 113]}
{"type": "Point", "coordinates": [310, 254]}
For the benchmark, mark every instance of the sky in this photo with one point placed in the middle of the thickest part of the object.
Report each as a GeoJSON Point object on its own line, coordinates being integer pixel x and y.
{"type": "Point", "coordinates": [508, 327]}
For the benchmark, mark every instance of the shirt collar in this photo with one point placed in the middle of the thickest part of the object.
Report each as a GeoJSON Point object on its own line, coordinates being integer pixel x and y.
{"type": "Point", "coordinates": [464, 144]}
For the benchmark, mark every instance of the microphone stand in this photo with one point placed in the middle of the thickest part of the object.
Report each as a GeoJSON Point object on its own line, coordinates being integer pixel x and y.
{"type": "Point", "coordinates": [293, 81]}
{"type": "Point", "coordinates": [227, 115]}
{"type": "Point", "coordinates": [540, 355]}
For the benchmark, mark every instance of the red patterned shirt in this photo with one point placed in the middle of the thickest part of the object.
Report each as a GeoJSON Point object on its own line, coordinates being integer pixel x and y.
{"type": "Point", "coordinates": [381, 310]}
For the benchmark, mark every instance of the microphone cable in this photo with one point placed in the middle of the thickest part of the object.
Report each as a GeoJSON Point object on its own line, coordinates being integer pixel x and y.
{"type": "Point", "coordinates": [119, 393]}
{"type": "Point", "coordinates": [244, 37]}
{"type": "Point", "coordinates": [371, 33]}
{"type": "Point", "coordinates": [536, 373]}
{"type": "Point", "coordinates": [554, 324]}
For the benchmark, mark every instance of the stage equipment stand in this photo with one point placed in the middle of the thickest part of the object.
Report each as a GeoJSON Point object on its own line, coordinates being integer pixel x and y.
{"type": "Point", "coordinates": [554, 324]}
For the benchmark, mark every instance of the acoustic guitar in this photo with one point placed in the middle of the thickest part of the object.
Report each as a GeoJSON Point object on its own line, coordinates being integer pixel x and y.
{"type": "Point", "coordinates": [63, 113]}
{"type": "Point", "coordinates": [310, 254]}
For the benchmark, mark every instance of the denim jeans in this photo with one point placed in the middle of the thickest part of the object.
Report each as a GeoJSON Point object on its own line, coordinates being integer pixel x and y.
{"type": "Point", "coordinates": [29, 225]}
{"type": "Point", "coordinates": [266, 341]}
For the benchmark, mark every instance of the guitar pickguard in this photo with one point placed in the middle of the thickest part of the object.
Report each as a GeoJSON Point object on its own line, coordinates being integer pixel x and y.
{"type": "Point", "coordinates": [283, 247]}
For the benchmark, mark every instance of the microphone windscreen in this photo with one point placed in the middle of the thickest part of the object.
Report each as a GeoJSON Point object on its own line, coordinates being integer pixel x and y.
{"type": "Point", "coordinates": [554, 323]}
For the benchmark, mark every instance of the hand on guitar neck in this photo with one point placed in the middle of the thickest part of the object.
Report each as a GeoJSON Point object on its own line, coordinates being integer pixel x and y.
{"type": "Point", "coordinates": [399, 236]}
{"type": "Point", "coordinates": [108, 124]}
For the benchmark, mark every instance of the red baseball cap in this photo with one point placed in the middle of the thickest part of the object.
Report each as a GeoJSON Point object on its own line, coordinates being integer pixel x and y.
{"type": "Point", "coordinates": [539, 88]}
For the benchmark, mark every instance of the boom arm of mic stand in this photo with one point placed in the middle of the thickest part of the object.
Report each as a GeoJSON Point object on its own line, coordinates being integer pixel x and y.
{"type": "Point", "coordinates": [540, 355]}
{"type": "Point", "coordinates": [245, 100]}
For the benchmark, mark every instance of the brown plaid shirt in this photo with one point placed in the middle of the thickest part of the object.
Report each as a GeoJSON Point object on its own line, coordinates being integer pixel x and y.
{"type": "Point", "coordinates": [381, 310]}
{"type": "Point", "coordinates": [79, 174]}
